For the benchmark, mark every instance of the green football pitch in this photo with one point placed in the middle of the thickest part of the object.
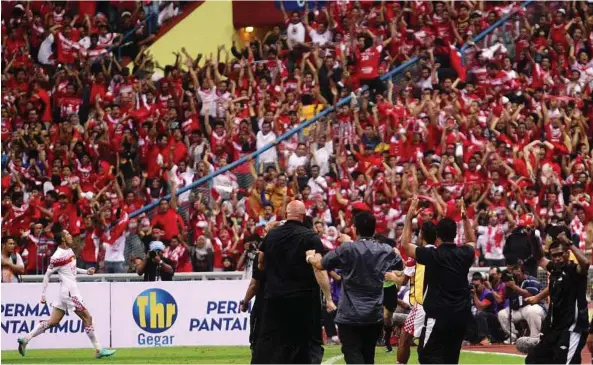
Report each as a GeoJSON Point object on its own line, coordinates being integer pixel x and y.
{"type": "Point", "coordinates": [213, 355]}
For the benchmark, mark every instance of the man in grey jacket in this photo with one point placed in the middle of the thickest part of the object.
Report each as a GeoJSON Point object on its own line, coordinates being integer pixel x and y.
{"type": "Point", "coordinates": [364, 263]}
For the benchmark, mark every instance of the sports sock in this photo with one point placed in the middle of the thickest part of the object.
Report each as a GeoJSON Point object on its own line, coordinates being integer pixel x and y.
{"type": "Point", "coordinates": [39, 329]}
{"type": "Point", "coordinates": [90, 331]}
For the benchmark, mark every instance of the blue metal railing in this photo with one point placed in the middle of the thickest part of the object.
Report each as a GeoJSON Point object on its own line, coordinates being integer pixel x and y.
{"type": "Point", "coordinates": [496, 24]}
{"type": "Point", "coordinates": [128, 34]}
{"type": "Point", "coordinates": [309, 122]}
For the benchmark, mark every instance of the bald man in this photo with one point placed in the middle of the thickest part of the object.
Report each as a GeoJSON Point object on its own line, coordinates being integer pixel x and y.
{"type": "Point", "coordinates": [292, 311]}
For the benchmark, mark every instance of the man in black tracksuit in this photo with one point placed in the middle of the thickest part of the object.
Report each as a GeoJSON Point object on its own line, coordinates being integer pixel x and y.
{"type": "Point", "coordinates": [447, 296]}
{"type": "Point", "coordinates": [566, 324]}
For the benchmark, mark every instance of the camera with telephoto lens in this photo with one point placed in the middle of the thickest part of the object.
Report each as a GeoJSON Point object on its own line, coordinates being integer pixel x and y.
{"type": "Point", "coordinates": [252, 247]}
{"type": "Point", "coordinates": [506, 276]}
{"type": "Point", "coordinates": [253, 243]}
{"type": "Point", "coordinates": [152, 254]}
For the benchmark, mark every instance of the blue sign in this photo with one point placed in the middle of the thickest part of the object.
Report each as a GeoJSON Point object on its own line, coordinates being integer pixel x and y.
{"type": "Point", "coordinates": [299, 5]}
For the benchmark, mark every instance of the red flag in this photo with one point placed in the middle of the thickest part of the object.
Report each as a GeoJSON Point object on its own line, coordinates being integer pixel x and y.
{"type": "Point", "coordinates": [457, 62]}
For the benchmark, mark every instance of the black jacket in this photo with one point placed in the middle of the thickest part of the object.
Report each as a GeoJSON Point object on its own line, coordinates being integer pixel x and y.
{"type": "Point", "coordinates": [523, 245]}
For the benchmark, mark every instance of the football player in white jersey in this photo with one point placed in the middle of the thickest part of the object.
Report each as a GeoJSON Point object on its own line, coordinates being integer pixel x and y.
{"type": "Point", "coordinates": [63, 262]}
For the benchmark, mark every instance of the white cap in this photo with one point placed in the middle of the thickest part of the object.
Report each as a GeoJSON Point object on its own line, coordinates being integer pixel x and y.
{"type": "Point", "coordinates": [156, 246]}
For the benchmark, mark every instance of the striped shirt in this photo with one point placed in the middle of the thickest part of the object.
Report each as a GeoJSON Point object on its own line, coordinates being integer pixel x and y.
{"type": "Point", "coordinates": [531, 285]}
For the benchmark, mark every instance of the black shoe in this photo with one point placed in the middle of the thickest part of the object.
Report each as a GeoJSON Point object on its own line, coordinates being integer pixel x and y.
{"type": "Point", "coordinates": [388, 347]}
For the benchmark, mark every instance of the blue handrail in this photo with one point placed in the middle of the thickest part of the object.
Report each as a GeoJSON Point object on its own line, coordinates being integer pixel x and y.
{"type": "Point", "coordinates": [128, 34]}
{"type": "Point", "coordinates": [496, 24]}
{"type": "Point", "coordinates": [307, 123]}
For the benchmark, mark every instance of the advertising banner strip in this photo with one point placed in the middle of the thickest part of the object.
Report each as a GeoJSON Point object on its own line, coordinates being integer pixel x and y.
{"type": "Point", "coordinates": [22, 310]}
{"type": "Point", "coordinates": [132, 314]}
{"type": "Point", "coordinates": [178, 314]}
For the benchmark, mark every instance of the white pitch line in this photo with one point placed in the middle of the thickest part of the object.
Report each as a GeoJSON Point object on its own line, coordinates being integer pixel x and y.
{"type": "Point", "coordinates": [333, 359]}
{"type": "Point", "coordinates": [492, 353]}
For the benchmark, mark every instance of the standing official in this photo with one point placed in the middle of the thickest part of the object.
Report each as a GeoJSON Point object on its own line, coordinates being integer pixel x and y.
{"type": "Point", "coordinates": [254, 290]}
{"type": "Point", "coordinates": [566, 324]}
{"type": "Point", "coordinates": [446, 294]}
{"type": "Point", "coordinates": [360, 312]}
{"type": "Point", "coordinates": [291, 318]}
{"type": "Point", "coordinates": [390, 298]}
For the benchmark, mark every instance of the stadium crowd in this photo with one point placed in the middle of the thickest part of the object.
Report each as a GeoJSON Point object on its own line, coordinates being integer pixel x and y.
{"type": "Point", "coordinates": [91, 132]}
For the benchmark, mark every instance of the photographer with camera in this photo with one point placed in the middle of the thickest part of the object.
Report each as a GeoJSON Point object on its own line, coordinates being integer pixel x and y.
{"type": "Point", "coordinates": [519, 286]}
{"type": "Point", "coordinates": [487, 328]}
{"type": "Point", "coordinates": [495, 284]}
{"type": "Point", "coordinates": [249, 256]}
{"type": "Point", "coordinates": [155, 267]}
{"type": "Point", "coordinates": [255, 288]}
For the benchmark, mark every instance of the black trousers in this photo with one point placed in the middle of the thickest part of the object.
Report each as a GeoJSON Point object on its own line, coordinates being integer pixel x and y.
{"type": "Point", "coordinates": [329, 324]}
{"type": "Point", "coordinates": [441, 339]}
{"type": "Point", "coordinates": [558, 347]}
{"type": "Point", "coordinates": [487, 325]}
{"type": "Point", "coordinates": [254, 325]}
{"type": "Point", "coordinates": [358, 342]}
{"type": "Point", "coordinates": [390, 298]}
{"type": "Point", "coordinates": [290, 331]}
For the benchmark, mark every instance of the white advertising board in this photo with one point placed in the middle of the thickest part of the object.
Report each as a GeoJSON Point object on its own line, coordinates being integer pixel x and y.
{"type": "Point", "coordinates": [22, 310]}
{"type": "Point", "coordinates": [178, 313]}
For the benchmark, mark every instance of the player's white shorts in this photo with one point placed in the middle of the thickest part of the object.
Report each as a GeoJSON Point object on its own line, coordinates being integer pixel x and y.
{"type": "Point", "coordinates": [69, 303]}
{"type": "Point", "coordinates": [415, 321]}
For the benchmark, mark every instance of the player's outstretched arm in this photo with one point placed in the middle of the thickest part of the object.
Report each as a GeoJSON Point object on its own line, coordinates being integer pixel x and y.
{"type": "Point", "coordinates": [582, 260]}
{"type": "Point", "coordinates": [408, 247]}
{"type": "Point", "coordinates": [468, 229]}
{"type": "Point", "coordinates": [89, 271]}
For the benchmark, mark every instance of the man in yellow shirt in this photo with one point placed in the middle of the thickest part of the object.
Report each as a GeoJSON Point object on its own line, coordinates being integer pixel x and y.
{"type": "Point", "coordinates": [281, 193]}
